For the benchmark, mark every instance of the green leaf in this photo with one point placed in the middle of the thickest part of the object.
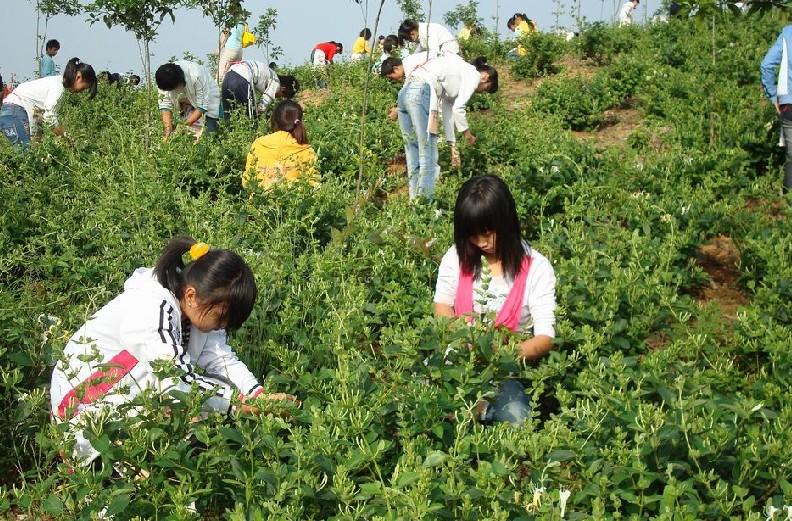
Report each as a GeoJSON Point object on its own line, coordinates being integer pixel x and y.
{"type": "Point", "coordinates": [434, 458]}
{"type": "Point", "coordinates": [118, 504]}
{"type": "Point", "coordinates": [407, 478]}
{"type": "Point", "coordinates": [561, 455]}
{"type": "Point", "coordinates": [232, 434]}
{"type": "Point", "coordinates": [52, 505]}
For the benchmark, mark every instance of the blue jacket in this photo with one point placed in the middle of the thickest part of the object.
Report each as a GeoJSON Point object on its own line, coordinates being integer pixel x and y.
{"type": "Point", "coordinates": [47, 66]}
{"type": "Point", "coordinates": [770, 65]}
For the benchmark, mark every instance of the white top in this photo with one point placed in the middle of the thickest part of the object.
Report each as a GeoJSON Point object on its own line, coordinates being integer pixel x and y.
{"type": "Point", "coordinates": [538, 311]}
{"type": "Point", "coordinates": [261, 77]}
{"type": "Point", "coordinates": [200, 90]}
{"type": "Point", "coordinates": [145, 324]}
{"type": "Point", "coordinates": [437, 39]}
{"type": "Point", "coordinates": [42, 94]}
{"type": "Point", "coordinates": [453, 81]}
{"type": "Point", "coordinates": [625, 15]}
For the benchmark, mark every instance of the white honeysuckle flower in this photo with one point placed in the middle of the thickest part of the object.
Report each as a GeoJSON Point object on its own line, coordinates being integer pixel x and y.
{"type": "Point", "coordinates": [554, 169]}
{"type": "Point", "coordinates": [789, 512]}
{"type": "Point", "coordinates": [757, 407]}
{"type": "Point", "coordinates": [771, 512]}
{"type": "Point", "coordinates": [563, 497]}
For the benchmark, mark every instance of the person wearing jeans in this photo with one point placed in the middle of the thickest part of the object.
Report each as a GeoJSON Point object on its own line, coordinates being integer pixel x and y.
{"type": "Point", "coordinates": [420, 146]}
{"type": "Point", "coordinates": [776, 80]}
{"type": "Point", "coordinates": [15, 125]}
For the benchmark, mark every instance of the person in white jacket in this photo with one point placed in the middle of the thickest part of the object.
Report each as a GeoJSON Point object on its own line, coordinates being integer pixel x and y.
{"type": "Point", "coordinates": [17, 116]}
{"type": "Point", "coordinates": [252, 84]}
{"type": "Point", "coordinates": [432, 39]}
{"type": "Point", "coordinates": [626, 12]}
{"type": "Point", "coordinates": [176, 316]}
{"type": "Point", "coordinates": [191, 82]}
{"type": "Point", "coordinates": [443, 84]}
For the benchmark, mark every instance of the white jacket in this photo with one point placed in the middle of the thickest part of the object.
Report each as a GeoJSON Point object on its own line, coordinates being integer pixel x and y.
{"type": "Point", "coordinates": [625, 14]}
{"type": "Point", "coordinates": [42, 94]}
{"type": "Point", "coordinates": [453, 82]}
{"type": "Point", "coordinates": [110, 359]}
{"type": "Point", "coordinates": [261, 78]}
{"type": "Point", "coordinates": [436, 39]}
{"type": "Point", "coordinates": [200, 90]}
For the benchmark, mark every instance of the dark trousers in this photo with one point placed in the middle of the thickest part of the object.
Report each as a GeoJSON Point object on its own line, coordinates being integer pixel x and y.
{"type": "Point", "coordinates": [237, 91]}
{"type": "Point", "coordinates": [786, 127]}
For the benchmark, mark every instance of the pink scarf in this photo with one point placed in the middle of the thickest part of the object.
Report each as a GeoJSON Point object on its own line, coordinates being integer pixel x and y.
{"type": "Point", "coordinates": [511, 312]}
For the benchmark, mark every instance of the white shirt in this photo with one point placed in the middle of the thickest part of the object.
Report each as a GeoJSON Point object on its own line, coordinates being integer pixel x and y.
{"type": "Point", "coordinates": [261, 77]}
{"type": "Point", "coordinates": [625, 15]}
{"type": "Point", "coordinates": [453, 82]}
{"type": "Point", "coordinates": [436, 39]}
{"type": "Point", "coordinates": [200, 90]}
{"type": "Point", "coordinates": [42, 94]}
{"type": "Point", "coordinates": [538, 310]}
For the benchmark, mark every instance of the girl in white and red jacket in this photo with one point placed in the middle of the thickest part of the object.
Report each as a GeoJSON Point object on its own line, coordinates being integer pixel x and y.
{"type": "Point", "coordinates": [176, 313]}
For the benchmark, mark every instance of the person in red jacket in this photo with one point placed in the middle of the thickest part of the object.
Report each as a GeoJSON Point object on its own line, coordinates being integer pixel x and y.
{"type": "Point", "coordinates": [323, 54]}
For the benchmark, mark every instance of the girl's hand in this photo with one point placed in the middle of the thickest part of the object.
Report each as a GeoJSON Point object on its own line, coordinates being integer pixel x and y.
{"type": "Point", "coordinates": [470, 137]}
{"type": "Point", "coordinates": [283, 397]}
{"type": "Point", "coordinates": [393, 113]}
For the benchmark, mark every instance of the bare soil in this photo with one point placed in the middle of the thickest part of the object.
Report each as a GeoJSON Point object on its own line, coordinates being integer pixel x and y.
{"type": "Point", "coordinates": [720, 259]}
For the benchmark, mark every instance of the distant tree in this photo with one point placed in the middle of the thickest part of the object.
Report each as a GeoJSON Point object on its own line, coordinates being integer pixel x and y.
{"type": "Point", "coordinates": [263, 31]}
{"type": "Point", "coordinates": [224, 14]}
{"type": "Point", "coordinates": [412, 9]}
{"type": "Point", "coordinates": [464, 14]}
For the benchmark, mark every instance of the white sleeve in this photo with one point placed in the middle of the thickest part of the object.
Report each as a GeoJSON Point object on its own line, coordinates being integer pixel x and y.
{"type": "Point", "coordinates": [447, 278]}
{"type": "Point", "coordinates": [541, 297]}
{"type": "Point", "coordinates": [51, 105]}
{"type": "Point", "coordinates": [448, 120]}
{"type": "Point", "coordinates": [150, 335]}
{"type": "Point", "coordinates": [165, 100]}
{"type": "Point", "coordinates": [219, 361]}
{"type": "Point", "coordinates": [202, 90]}
{"type": "Point", "coordinates": [269, 90]}
{"type": "Point", "coordinates": [468, 83]}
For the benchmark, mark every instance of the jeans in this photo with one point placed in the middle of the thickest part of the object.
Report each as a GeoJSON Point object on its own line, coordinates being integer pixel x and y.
{"type": "Point", "coordinates": [419, 146]}
{"type": "Point", "coordinates": [14, 123]}
{"type": "Point", "coordinates": [511, 405]}
{"type": "Point", "coordinates": [786, 128]}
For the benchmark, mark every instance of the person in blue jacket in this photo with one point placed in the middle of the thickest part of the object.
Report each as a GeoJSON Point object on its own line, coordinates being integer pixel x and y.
{"type": "Point", "coordinates": [777, 81]}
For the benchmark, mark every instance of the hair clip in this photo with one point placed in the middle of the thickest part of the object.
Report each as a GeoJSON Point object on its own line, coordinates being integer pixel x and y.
{"type": "Point", "coordinates": [198, 250]}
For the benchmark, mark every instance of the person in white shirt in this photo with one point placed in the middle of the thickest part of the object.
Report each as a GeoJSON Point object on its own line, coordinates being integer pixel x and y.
{"type": "Point", "coordinates": [520, 294]}
{"type": "Point", "coordinates": [432, 39]}
{"type": "Point", "coordinates": [254, 85]}
{"type": "Point", "coordinates": [17, 115]}
{"type": "Point", "coordinates": [626, 12]}
{"type": "Point", "coordinates": [445, 84]}
{"type": "Point", "coordinates": [174, 316]}
{"type": "Point", "coordinates": [191, 82]}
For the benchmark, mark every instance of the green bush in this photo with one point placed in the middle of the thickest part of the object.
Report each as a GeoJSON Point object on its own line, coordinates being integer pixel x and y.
{"type": "Point", "coordinates": [543, 50]}
{"type": "Point", "coordinates": [601, 42]}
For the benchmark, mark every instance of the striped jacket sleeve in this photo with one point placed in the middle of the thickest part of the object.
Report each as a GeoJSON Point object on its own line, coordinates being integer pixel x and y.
{"type": "Point", "coordinates": [219, 361]}
{"type": "Point", "coordinates": [152, 334]}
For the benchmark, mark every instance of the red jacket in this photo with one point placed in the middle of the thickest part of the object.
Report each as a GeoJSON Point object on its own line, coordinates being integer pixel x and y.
{"type": "Point", "coordinates": [328, 48]}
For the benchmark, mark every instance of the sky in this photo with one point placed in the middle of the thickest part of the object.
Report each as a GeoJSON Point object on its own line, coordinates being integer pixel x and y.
{"type": "Point", "coordinates": [301, 24]}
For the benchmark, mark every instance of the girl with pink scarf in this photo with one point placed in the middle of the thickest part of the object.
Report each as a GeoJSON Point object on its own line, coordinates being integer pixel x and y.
{"type": "Point", "coordinates": [521, 291]}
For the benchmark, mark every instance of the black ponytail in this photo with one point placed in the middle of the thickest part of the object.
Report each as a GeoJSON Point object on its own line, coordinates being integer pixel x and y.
{"type": "Point", "coordinates": [366, 33]}
{"type": "Point", "coordinates": [86, 73]}
{"type": "Point", "coordinates": [289, 84]}
{"type": "Point", "coordinates": [481, 65]}
{"type": "Point", "coordinates": [287, 117]}
{"type": "Point", "coordinates": [220, 277]}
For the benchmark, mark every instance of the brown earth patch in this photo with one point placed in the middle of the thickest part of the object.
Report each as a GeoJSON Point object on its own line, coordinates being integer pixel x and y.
{"type": "Point", "coordinates": [720, 258]}
{"type": "Point", "coordinates": [774, 209]}
{"type": "Point", "coordinates": [312, 97]}
{"type": "Point", "coordinates": [618, 126]}
{"type": "Point", "coordinates": [571, 64]}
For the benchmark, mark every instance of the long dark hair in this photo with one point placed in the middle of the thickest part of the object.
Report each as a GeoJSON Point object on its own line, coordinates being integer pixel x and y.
{"type": "Point", "coordinates": [484, 205]}
{"type": "Point", "coordinates": [86, 73]}
{"type": "Point", "coordinates": [405, 29]}
{"type": "Point", "coordinates": [390, 44]}
{"type": "Point", "coordinates": [287, 117]}
{"type": "Point", "coordinates": [220, 277]}
{"type": "Point", "coordinates": [481, 65]}
{"type": "Point", "coordinates": [366, 33]}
